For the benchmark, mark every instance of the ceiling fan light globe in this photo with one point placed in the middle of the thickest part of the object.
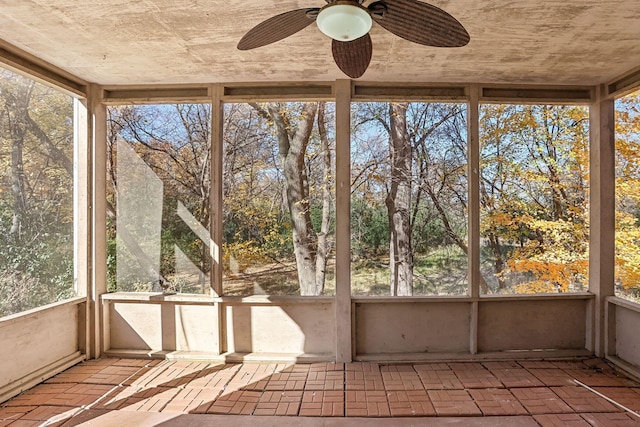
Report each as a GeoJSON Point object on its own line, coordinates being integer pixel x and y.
{"type": "Point", "coordinates": [344, 22]}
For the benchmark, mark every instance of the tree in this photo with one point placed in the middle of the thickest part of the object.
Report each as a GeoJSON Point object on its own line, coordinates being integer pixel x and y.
{"type": "Point", "coordinates": [627, 196]}
{"type": "Point", "coordinates": [534, 196]}
{"type": "Point", "coordinates": [420, 174]}
{"type": "Point", "coordinates": [173, 142]}
{"type": "Point", "coordinates": [398, 202]}
{"type": "Point", "coordinates": [36, 194]}
{"type": "Point", "coordinates": [293, 129]}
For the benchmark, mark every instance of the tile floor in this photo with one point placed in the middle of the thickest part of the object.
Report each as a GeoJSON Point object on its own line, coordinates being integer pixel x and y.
{"type": "Point", "coordinates": [585, 392]}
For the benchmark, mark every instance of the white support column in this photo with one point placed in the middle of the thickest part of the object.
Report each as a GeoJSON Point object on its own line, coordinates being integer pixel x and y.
{"type": "Point", "coordinates": [473, 172]}
{"type": "Point", "coordinates": [602, 213]}
{"type": "Point", "coordinates": [343, 222]}
{"type": "Point", "coordinates": [215, 209]}
{"type": "Point", "coordinates": [473, 211]}
{"type": "Point", "coordinates": [82, 212]}
{"type": "Point", "coordinates": [97, 181]}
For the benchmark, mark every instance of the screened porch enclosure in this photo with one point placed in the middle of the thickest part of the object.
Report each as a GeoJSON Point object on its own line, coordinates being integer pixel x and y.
{"type": "Point", "coordinates": [406, 217]}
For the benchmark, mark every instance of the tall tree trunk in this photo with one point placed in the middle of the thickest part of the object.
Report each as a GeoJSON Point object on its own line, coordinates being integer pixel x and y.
{"type": "Point", "coordinates": [498, 263]}
{"type": "Point", "coordinates": [399, 203]}
{"type": "Point", "coordinates": [292, 149]}
{"type": "Point", "coordinates": [323, 243]}
{"type": "Point", "coordinates": [17, 183]}
{"type": "Point", "coordinates": [17, 132]}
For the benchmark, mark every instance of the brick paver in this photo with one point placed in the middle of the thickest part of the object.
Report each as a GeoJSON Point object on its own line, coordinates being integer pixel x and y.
{"type": "Point", "coordinates": [50, 415]}
{"type": "Point", "coordinates": [611, 420]}
{"type": "Point", "coordinates": [503, 364]}
{"type": "Point", "coordinates": [497, 401]}
{"type": "Point", "coordinates": [357, 380]}
{"type": "Point", "coordinates": [628, 397]}
{"type": "Point", "coordinates": [411, 403]}
{"type": "Point", "coordinates": [541, 400]}
{"type": "Point", "coordinates": [236, 403]}
{"type": "Point", "coordinates": [476, 378]}
{"type": "Point", "coordinates": [400, 377]}
{"type": "Point", "coordinates": [561, 420]}
{"type": "Point", "coordinates": [322, 404]}
{"type": "Point", "coordinates": [453, 402]}
{"type": "Point", "coordinates": [440, 380]}
{"type": "Point", "coordinates": [552, 377]}
{"type": "Point", "coordinates": [279, 403]}
{"type": "Point", "coordinates": [583, 400]}
{"type": "Point", "coordinates": [516, 377]}
{"type": "Point", "coordinates": [537, 364]}
{"type": "Point", "coordinates": [600, 379]}
{"type": "Point", "coordinates": [9, 414]}
{"type": "Point", "coordinates": [69, 399]}
{"type": "Point", "coordinates": [366, 404]}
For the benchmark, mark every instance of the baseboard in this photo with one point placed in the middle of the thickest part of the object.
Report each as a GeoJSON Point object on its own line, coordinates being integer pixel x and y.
{"type": "Point", "coordinates": [222, 358]}
{"type": "Point", "coordinates": [31, 380]}
{"type": "Point", "coordinates": [443, 357]}
{"type": "Point", "coordinates": [626, 367]}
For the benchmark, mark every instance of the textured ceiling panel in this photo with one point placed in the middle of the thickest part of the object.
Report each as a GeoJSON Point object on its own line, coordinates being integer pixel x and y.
{"type": "Point", "coordinates": [194, 41]}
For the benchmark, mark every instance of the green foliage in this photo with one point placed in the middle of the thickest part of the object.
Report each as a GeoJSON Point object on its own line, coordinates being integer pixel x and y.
{"type": "Point", "coordinates": [36, 195]}
{"type": "Point", "coordinates": [369, 229]}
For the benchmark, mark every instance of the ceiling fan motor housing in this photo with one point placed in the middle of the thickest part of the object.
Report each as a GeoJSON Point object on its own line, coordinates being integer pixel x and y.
{"type": "Point", "coordinates": [344, 20]}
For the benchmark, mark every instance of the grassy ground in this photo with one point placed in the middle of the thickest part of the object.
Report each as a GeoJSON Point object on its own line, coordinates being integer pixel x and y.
{"type": "Point", "coordinates": [441, 272]}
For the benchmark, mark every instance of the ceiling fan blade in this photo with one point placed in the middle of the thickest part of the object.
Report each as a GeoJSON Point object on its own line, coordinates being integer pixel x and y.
{"type": "Point", "coordinates": [353, 57]}
{"type": "Point", "coordinates": [419, 22]}
{"type": "Point", "coordinates": [277, 28]}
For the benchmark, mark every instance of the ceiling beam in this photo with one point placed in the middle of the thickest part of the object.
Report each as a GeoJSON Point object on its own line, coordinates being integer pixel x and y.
{"type": "Point", "coordinates": [41, 71]}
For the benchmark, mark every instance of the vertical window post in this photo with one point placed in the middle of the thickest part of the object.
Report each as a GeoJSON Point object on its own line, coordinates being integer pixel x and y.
{"type": "Point", "coordinates": [602, 208]}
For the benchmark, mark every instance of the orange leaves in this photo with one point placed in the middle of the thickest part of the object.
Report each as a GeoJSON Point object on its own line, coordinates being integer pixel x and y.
{"type": "Point", "coordinates": [627, 264]}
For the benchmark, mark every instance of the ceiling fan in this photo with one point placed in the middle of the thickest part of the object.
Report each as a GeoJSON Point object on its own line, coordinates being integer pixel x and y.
{"type": "Point", "coordinates": [348, 23]}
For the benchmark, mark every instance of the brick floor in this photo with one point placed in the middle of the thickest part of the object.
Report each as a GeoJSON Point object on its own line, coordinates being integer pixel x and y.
{"type": "Point", "coordinates": [552, 377]}
{"type": "Point", "coordinates": [497, 401]}
{"type": "Point", "coordinates": [541, 400]}
{"type": "Point", "coordinates": [322, 404]}
{"type": "Point", "coordinates": [561, 420]}
{"type": "Point", "coordinates": [627, 397]}
{"type": "Point", "coordinates": [453, 402]}
{"type": "Point", "coordinates": [411, 403]}
{"type": "Point", "coordinates": [472, 377]}
{"type": "Point", "coordinates": [583, 400]}
{"type": "Point", "coordinates": [611, 420]}
{"type": "Point", "coordinates": [546, 392]}
{"type": "Point", "coordinates": [366, 404]}
{"type": "Point", "coordinates": [279, 403]}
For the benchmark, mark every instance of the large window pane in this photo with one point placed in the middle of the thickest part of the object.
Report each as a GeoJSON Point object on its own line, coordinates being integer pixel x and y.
{"type": "Point", "coordinates": [36, 194]}
{"type": "Point", "coordinates": [534, 198]}
{"type": "Point", "coordinates": [409, 199]}
{"type": "Point", "coordinates": [158, 179]}
{"type": "Point", "coordinates": [278, 192]}
{"type": "Point", "coordinates": [628, 197]}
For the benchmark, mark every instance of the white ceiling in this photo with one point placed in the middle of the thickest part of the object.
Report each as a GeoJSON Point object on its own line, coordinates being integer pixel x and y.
{"type": "Point", "coordinates": [194, 41]}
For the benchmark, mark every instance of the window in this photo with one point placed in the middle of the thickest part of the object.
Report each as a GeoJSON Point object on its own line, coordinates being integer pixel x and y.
{"type": "Point", "coordinates": [534, 198]}
{"type": "Point", "coordinates": [158, 185]}
{"type": "Point", "coordinates": [36, 194]}
{"type": "Point", "coordinates": [409, 199]}
{"type": "Point", "coordinates": [627, 270]}
{"type": "Point", "coordinates": [278, 211]}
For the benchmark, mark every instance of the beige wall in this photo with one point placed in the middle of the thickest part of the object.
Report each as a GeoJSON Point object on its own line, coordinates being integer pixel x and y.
{"type": "Point", "coordinates": [532, 325]}
{"type": "Point", "coordinates": [382, 327]}
{"type": "Point", "coordinates": [163, 326]}
{"type": "Point", "coordinates": [37, 344]}
{"type": "Point", "coordinates": [412, 327]}
{"type": "Point", "coordinates": [306, 328]}
{"type": "Point", "coordinates": [627, 339]}
{"type": "Point", "coordinates": [289, 326]}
